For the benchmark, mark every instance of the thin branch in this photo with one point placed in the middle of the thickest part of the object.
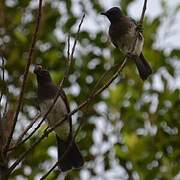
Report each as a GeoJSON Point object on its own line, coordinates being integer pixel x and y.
{"type": "Point", "coordinates": [77, 36]}
{"type": "Point", "coordinates": [5, 107]}
{"type": "Point", "coordinates": [2, 90]}
{"type": "Point", "coordinates": [68, 63]}
{"type": "Point", "coordinates": [68, 49]}
{"type": "Point", "coordinates": [143, 12]}
{"type": "Point", "coordinates": [19, 140]}
{"type": "Point", "coordinates": [29, 61]}
{"type": "Point", "coordinates": [70, 56]}
{"type": "Point", "coordinates": [2, 140]}
{"type": "Point", "coordinates": [103, 77]}
{"type": "Point", "coordinates": [50, 170]}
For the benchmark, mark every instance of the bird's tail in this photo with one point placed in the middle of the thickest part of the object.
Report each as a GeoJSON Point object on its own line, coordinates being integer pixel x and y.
{"type": "Point", "coordinates": [143, 67]}
{"type": "Point", "coordinates": [72, 158]}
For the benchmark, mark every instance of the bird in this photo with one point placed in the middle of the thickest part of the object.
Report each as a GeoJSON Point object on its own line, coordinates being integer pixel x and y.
{"type": "Point", "coordinates": [46, 92]}
{"type": "Point", "coordinates": [123, 31]}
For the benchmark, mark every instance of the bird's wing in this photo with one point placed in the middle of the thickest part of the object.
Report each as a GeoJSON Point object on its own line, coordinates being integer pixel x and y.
{"type": "Point", "coordinates": [113, 40]}
{"type": "Point", "coordinates": [64, 97]}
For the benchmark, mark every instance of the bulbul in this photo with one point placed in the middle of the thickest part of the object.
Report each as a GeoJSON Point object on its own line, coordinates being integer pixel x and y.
{"type": "Point", "coordinates": [122, 32]}
{"type": "Point", "coordinates": [46, 93]}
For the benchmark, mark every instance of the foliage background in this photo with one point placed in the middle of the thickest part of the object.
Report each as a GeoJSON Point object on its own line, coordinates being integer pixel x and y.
{"type": "Point", "coordinates": [132, 129]}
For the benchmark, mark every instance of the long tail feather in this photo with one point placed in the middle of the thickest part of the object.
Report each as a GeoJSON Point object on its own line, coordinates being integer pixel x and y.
{"type": "Point", "coordinates": [65, 163]}
{"type": "Point", "coordinates": [72, 159]}
{"type": "Point", "coordinates": [143, 67]}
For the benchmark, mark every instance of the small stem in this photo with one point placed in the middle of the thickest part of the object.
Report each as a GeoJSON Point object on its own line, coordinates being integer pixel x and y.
{"type": "Point", "coordinates": [2, 90]}
{"type": "Point", "coordinates": [70, 56]}
{"type": "Point", "coordinates": [20, 141]}
{"type": "Point", "coordinates": [53, 167]}
{"type": "Point", "coordinates": [77, 36]}
{"type": "Point", "coordinates": [143, 12]}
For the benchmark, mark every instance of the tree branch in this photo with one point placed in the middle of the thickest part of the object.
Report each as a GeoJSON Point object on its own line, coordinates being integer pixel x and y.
{"type": "Point", "coordinates": [29, 61]}
{"type": "Point", "coordinates": [50, 170]}
{"type": "Point", "coordinates": [20, 141]}
{"type": "Point", "coordinates": [70, 56]}
{"type": "Point", "coordinates": [143, 12]}
{"type": "Point", "coordinates": [2, 90]}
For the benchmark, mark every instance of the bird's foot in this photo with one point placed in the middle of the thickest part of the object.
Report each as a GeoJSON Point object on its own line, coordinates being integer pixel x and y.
{"type": "Point", "coordinates": [139, 28]}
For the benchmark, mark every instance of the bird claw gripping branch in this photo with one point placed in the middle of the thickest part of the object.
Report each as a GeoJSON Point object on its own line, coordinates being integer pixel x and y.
{"type": "Point", "coordinates": [139, 28]}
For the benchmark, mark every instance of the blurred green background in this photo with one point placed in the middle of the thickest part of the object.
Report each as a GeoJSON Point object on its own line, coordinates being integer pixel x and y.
{"type": "Point", "coordinates": [131, 130]}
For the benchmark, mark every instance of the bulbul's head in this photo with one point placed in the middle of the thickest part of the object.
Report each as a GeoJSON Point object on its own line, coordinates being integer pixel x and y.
{"type": "Point", "coordinates": [113, 14]}
{"type": "Point", "coordinates": [43, 75]}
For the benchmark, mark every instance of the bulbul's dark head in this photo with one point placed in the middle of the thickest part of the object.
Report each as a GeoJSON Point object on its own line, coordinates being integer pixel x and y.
{"type": "Point", "coordinates": [113, 14]}
{"type": "Point", "coordinates": [43, 75]}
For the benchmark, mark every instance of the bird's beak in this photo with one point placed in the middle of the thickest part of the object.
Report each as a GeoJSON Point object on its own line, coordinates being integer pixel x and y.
{"type": "Point", "coordinates": [37, 68]}
{"type": "Point", "coordinates": [103, 13]}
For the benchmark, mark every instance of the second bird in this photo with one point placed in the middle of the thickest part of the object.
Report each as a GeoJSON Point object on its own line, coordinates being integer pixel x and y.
{"type": "Point", "coordinates": [122, 32]}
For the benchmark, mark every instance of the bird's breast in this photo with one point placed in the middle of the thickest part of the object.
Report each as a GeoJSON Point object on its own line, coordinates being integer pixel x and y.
{"type": "Point", "coordinates": [123, 36]}
{"type": "Point", "coordinates": [56, 115]}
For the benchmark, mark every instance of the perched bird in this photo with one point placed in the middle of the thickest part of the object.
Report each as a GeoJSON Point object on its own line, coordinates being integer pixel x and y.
{"type": "Point", "coordinates": [122, 32]}
{"type": "Point", "coordinates": [46, 93]}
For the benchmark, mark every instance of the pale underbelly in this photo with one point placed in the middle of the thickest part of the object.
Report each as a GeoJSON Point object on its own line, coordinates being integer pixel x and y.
{"type": "Point", "coordinates": [56, 115]}
{"type": "Point", "coordinates": [126, 44]}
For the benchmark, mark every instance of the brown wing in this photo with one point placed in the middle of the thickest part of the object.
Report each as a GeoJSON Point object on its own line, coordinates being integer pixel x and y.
{"type": "Point", "coordinates": [64, 97]}
{"type": "Point", "coordinates": [117, 30]}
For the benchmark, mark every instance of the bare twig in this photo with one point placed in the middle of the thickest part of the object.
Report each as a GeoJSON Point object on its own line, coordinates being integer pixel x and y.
{"type": "Point", "coordinates": [103, 77]}
{"type": "Point", "coordinates": [2, 140]}
{"type": "Point", "coordinates": [19, 140]}
{"type": "Point", "coordinates": [68, 49]}
{"type": "Point", "coordinates": [50, 170]}
{"type": "Point", "coordinates": [5, 107]}
{"type": "Point", "coordinates": [2, 90]}
{"type": "Point", "coordinates": [20, 100]}
{"type": "Point", "coordinates": [70, 56]}
{"type": "Point", "coordinates": [28, 127]}
{"type": "Point", "coordinates": [143, 12]}
{"type": "Point", "coordinates": [68, 63]}
{"type": "Point", "coordinates": [77, 36]}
